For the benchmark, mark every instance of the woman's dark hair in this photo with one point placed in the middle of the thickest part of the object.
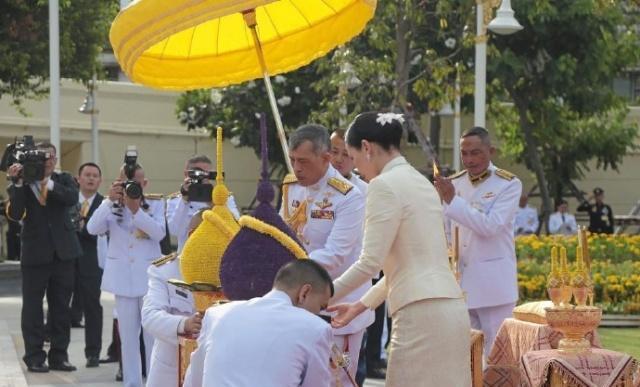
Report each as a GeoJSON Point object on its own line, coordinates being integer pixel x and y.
{"type": "Point", "coordinates": [385, 129]}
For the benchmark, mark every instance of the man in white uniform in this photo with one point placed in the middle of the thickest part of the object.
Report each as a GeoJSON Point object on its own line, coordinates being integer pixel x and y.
{"type": "Point", "coordinates": [180, 208]}
{"type": "Point", "coordinates": [482, 201]}
{"type": "Point", "coordinates": [135, 229]}
{"type": "Point", "coordinates": [526, 217]}
{"type": "Point", "coordinates": [167, 312]}
{"type": "Point", "coordinates": [341, 161]}
{"type": "Point", "coordinates": [271, 341]}
{"type": "Point", "coordinates": [561, 221]}
{"type": "Point", "coordinates": [326, 212]}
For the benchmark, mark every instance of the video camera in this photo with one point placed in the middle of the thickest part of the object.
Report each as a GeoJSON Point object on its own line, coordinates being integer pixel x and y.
{"type": "Point", "coordinates": [29, 156]}
{"type": "Point", "coordinates": [132, 188]}
{"type": "Point", "coordinates": [199, 191]}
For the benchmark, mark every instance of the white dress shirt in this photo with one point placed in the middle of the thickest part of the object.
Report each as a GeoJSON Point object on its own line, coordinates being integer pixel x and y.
{"type": "Point", "coordinates": [265, 342]}
{"type": "Point", "coordinates": [560, 223]}
{"type": "Point", "coordinates": [526, 221]}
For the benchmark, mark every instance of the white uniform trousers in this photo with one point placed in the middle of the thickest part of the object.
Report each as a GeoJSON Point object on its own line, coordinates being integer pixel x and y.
{"type": "Point", "coordinates": [488, 320]}
{"type": "Point", "coordinates": [355, 342]}
{"type": "Point", "coordinates": [129, 325]}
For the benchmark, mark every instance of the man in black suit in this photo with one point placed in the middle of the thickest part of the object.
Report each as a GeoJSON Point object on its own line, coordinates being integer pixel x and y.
{"type": "Point", "coordinates": [50, 247]}
{"type": "Point", "coordinates": [88, 272]}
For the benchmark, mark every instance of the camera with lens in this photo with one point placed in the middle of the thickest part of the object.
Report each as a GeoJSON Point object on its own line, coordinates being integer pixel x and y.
{"type": "Point", "coordinates": [132, 188]}
{"type": "Point", "coordinates": [29, 156]}
{"type": "Point", "coordinates": [198, 190]}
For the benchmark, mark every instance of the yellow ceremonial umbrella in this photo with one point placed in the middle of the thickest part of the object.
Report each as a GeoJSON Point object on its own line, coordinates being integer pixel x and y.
{"type": "Point", "coordinates": [192, 44]}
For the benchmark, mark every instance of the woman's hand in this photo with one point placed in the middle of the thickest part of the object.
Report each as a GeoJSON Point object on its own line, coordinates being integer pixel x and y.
{"type": "Point", "coordinates": [345, 313]}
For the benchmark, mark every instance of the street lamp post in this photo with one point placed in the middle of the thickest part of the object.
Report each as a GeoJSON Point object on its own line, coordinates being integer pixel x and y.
{"type": "Point", "coordinates": [54, 77]}
{"type": "Point", "coordinates": [456, 123]}
{"type": "Point", "coordinates": [89, 107]}
{"type": "Point", "coordinates": [504, 24]}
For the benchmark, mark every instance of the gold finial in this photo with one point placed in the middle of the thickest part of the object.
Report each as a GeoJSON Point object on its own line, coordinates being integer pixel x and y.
{"type": "Point", "coordinates": [219, 166]}
{"type": "Point", "coordinates": [220, 193]}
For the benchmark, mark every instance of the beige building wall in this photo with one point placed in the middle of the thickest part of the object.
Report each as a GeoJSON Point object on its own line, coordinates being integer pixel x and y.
{"type": "Point", "coordinates": [129, 115]}
{"type": "Point", "coordinates": [622, 188]}
{"type": "Point", "coordinates": [135, 115]}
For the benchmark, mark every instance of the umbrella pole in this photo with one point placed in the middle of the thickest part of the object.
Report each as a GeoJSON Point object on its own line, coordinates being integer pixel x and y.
{"type": "Point", "coordinates": [250, 19]}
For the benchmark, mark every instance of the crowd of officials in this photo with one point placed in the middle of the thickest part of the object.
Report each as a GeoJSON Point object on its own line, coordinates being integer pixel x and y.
{"type": "Point", "coordinates": [65, 230]}
{"type": "Point", "coordinates": [69, 231]}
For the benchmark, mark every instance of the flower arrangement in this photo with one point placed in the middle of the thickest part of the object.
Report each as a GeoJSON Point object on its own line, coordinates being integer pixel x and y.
{"type": "Point", "coordinates": [615, 268]}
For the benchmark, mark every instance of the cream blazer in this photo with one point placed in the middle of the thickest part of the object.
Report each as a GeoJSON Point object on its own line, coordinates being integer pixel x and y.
{"type": "Point", "coordinates": [404, 236]}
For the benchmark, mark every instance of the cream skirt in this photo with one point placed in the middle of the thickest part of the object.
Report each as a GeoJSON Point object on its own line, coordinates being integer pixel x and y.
{"type": "Point", "coordinates": [430, 345]}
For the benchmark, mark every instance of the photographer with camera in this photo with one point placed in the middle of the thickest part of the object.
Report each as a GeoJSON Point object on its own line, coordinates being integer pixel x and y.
{"type": "Point", "coordinates": [136, 224]}
{"type": "Point", "coordinates": [195, 193]}
{"type": "Point", "coordinates": [42, 199]}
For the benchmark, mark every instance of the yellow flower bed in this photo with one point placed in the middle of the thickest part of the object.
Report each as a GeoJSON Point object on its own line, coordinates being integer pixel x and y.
{"type": "Point", "coordinates": [615, 268]}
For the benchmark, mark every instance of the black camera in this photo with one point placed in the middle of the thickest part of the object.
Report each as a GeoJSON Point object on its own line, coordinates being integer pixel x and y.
{"type": "Point", "coordinates": [29, 156]}
{"type": "Point", "coordinates": [199, 191]}
{"type": "Point", "coordinates": [132, 188]}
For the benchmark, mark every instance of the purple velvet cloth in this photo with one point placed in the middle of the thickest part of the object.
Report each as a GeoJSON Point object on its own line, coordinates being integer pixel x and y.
{"type": "Point", "coordinates": [251, 261]}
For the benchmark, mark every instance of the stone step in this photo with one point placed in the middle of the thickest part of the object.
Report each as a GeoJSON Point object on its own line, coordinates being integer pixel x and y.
{"type": "Point", "coordinates": [9, 269]}
{"type": "Point", "coordinates": [11, 374]}
{"type": "Point", "coordinates": [614, 320]}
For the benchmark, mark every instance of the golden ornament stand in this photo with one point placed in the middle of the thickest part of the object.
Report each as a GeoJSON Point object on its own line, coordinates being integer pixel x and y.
{"type": "Point", "coordinates": [204, 297]}
{"type": "Point", "coordinates": [574, 322]}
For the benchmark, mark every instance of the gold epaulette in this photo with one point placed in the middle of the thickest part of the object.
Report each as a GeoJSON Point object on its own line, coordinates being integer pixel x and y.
{"type": "Point", "coordinates": [290, 179]}
{"type": "Point", "coordinates": [153, 196]}
{"type": "Point", "coordinates": [505, 174]}
{"type": "Point", "coordinates": [164, 259]}
{"type": "Point", "coordinates": [174, 195]}
{"type": "Point", "coordinates": [458, 174]}
{"type": "Point", "coordinates": [340, 185]}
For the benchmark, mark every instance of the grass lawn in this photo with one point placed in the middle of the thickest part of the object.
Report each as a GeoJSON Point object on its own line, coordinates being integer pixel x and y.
{"type": "Point", "coordinates": [621, 339]}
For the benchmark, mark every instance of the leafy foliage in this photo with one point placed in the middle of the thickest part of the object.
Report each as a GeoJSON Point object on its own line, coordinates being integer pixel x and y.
{"type": "Point", "coordinates": [404, 60]}
{"type": "Point", "coordinates": [559, 72]}
{"type": "Point", "coordinates": [24, 43]}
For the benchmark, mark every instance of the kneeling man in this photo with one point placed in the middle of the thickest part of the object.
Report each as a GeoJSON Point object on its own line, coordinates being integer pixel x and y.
{"type": "Point", "coordinates": [272, 341]}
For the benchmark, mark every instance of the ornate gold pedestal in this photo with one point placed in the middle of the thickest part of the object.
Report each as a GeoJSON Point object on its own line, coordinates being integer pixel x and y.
{"type": "Point", "coordinates": [188, 343]}
{"type": "Point", "coordinates": [574, 323]}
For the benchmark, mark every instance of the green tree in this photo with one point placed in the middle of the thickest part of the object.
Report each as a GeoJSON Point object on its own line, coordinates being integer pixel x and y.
{"type": "Point", "coordinates": [236, 109]}
{"type": "Point", "coordinates": [558, 72]}
{"type": "Point", "coordinates": [400, 62]}
{"type": "Point", "coordinates": [24, 43]}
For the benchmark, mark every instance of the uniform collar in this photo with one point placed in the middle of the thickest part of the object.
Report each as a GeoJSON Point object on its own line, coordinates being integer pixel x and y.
{"type": "Point", "coordinates": [331, 172]}
{"type": "Point", "coordinates": [475, 180]}
{"type": "Point", "coordinates": [399, 160]}
{"type": "Point", "coordinates": [278, 295]}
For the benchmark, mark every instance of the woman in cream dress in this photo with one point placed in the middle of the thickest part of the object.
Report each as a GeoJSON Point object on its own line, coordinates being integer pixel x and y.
{"type": "Point", "coordinates": [404, 236]}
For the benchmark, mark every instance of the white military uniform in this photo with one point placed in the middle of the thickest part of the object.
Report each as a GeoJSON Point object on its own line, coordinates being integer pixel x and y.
{"type": "Point", "coordinates": [560, 223]}
{"type": "Point", "coordinates": [165, 310]}
{"type": "Point", "coordinates": [526, 221]}
{"type": "Point", "coordinates": [265, 342]}
{"type": "Point", "coordinates": [333, 235]}
{"type": "Point", "coordinates": [134, 242]}
{"type": "Point", "coordinates": [359, 183]}
{"type": "Point", "coordinates": [179, 213]}
{"type": "Point", "coordinates": [484, 211]}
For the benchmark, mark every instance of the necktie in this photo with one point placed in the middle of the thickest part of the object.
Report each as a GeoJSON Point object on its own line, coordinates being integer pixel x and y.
{"type": "Point", "coordinates": [562, 218]}
{"type": "Point", "coordinates": [43, 194]}
{"type": "Point", "coordinates": [84, 210]}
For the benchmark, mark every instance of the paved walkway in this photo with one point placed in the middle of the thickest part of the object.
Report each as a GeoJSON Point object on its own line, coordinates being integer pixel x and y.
{"type": "Point", "coordinates": [13, 372]}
